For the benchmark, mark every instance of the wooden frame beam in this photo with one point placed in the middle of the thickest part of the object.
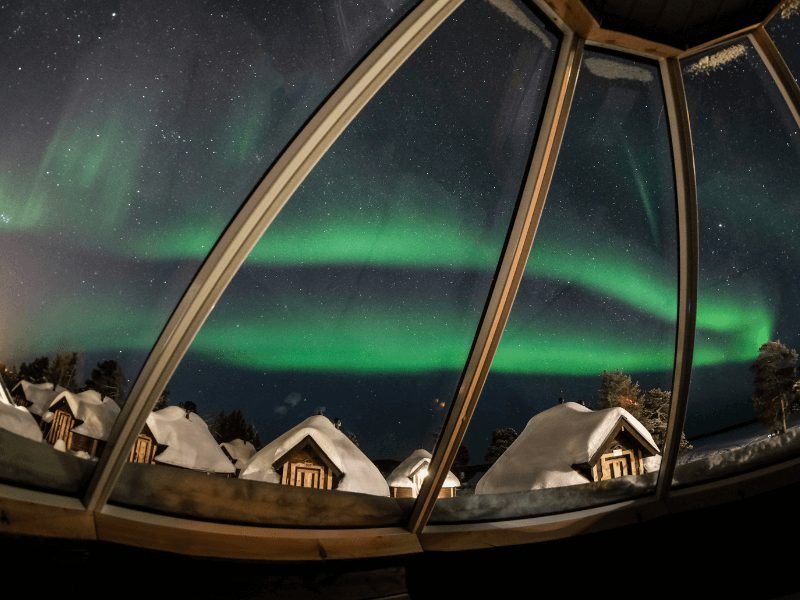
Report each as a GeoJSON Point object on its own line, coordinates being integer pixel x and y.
{"type": "Point", "coordinates": [688, 256]}
{"type": "Point", "coordinates": [509, 276]}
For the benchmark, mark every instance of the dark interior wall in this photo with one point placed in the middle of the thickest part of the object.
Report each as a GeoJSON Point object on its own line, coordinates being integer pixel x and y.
{"type": "Point", "coordinates": [679, 23]}
{"type": "Point", "coordinates": [734, 550]}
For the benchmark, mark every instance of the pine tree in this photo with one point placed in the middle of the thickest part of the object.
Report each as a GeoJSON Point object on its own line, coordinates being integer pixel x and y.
{"type": "Point", "coordinates": [226, 427]}
{"type": "Point", "coordinates": [10, 376]}
{"type": "Point", "coordinates": [63, 370]}
{"type": "Point", "coordinates": [501, 440]}
{"type": "Point", "coordinates": [655, 404]}
{"type": "Point", "coordinates": [37, 371]}
{"type": "Point", "coordinates": [189, 407]}
{"type": "Point", "coordinates": [108, 379]}
{"type": "Point", "coordinates": [617, 389]}
{"type": "Point", "coordinates": [163, 400]}
{"type": "Point", "coordinates": [775, 373]}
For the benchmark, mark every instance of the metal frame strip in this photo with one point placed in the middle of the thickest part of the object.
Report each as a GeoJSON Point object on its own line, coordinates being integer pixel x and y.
{"type": "Point", "coordinates": [778, 69]}
{"type": "Point", "coordinates": [509, 276]}
{"type": "Point", "coordinates": [688, 253]}
{"type": "Point", "coordinates": [255, 216]}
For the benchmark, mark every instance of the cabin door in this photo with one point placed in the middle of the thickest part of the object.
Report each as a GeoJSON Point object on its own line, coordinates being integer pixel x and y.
{"type": "Point", "coordinates": [61, 428]}
{"type": "Point", "coordinates": [308, 475]}
{"type": "Point", "coordinates": [618, 464]}
{"type": "Point", "coordinates": [143, 450]}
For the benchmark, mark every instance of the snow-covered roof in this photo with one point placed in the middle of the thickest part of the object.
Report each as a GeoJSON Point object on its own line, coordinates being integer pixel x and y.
{"type": "Point", "coordinates": [360, 475]}
{"type": "Point", "coordinates": [239, 451]}
{"type": "Point", "coordinates": [5, 395]}
{"type": "Point", "coordinates": [17, 419]}
{"type": "Point", "coordinates": [40, 395]}
{"type": "Point", "coordinates": [188, 441]}
{"type": "Point", "coordinates": [97, 412]}
{"type": "Point", "coordinates": [552, 442]}
{"type": "Point", "coordinates": [402, 475]}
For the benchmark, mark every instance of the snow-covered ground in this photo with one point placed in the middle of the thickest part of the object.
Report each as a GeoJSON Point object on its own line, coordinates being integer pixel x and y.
{"type": "Point", "coordinates": [743, 449]}
{"type": "Point", "coordinates": [716, 457]}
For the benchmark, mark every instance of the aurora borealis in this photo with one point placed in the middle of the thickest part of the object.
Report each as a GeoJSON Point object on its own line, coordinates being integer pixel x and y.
{"type": "Point", "coordinates": [129, 127]}
{"type": "Point", "coordinates": [132, 133]}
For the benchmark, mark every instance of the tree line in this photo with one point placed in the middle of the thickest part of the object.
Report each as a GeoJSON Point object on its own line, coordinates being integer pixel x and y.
{"type": "Point", "coordinates": [108, 379]}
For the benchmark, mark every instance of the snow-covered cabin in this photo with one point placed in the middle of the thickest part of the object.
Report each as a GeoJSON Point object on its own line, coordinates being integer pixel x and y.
{"type": "Point", "coordinates": [17, 419]}
{"type": "Point", "coordinates": [83, 421]}
{"type": "Point", "coordinates": [36, 397]}
{"type": "Point", "coordinates": [238, 452]}
{"type": "Point", "coordinates": [180, 438]}
{"type": "Point", "coordinates": [316, 454]}
{"type": "Point", "coordinates": [406, 479]}
{"type": "Point", "coordinates": [570, 444]}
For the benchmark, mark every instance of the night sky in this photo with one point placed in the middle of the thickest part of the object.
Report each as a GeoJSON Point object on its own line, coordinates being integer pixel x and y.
{"type": "Point", "coordinates": [364, 296]}
{"type": "Point", "coordinates": [784, 29]}
{"type": "Point", "coordinates": [748, 168]}
{"type": "Point", "coordinates": [600, 287]}
{"type": "Point", "coordinates": [133, 131]}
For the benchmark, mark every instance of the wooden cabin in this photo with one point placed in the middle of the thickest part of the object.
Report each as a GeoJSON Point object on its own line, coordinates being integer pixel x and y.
{"type": "Point", "coordinates": [238, 452]}
{"type": "Point", "coordinates": [83, 421]}
{"type": "Point", "coordinates": [570, 444]}
{"type": "Point", "coordinates": [36, 397]}
{"type": "Point", "coordinates": [406, 479]}
{"type": "Point", "coordinates": [179, 438]}
{"type": "Point", "coordinates": [307, 465]}
{"type": "Point", "coordinates": [622, 454]}
{"type": "Point", "coordinates": [316, 454]}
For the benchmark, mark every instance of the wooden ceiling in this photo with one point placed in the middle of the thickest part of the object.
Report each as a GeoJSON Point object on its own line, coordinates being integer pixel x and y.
{"type": "Point", "coordinates": [678, 23]}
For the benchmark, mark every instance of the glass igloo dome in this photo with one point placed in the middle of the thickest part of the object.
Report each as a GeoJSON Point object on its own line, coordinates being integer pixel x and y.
{"type": "Point", "coordinates": [327, 280]}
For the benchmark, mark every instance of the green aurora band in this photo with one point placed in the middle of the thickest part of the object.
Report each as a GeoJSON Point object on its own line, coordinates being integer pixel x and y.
{"type": "Point", "coordinates": [736, 326]}
{"type": "Point", "coordinates": [100, 157]}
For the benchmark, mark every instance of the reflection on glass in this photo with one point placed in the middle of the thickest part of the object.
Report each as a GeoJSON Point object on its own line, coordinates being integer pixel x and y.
{"type": "Point", "coordinates": [784, 29]}
{"type": "Point", "coordinates": [131, 133]}
{"type": "Point", "coordinates": [574, 410]}
{"type": "Point", "coordinates": [746, 153]}
{"type": "Point", "coordinates": [338, 346]}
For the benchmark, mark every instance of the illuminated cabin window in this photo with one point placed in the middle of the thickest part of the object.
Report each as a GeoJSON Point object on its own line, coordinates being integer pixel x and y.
{"type": "Point", "coordinates": [358, 307]}
{"type": "Point", "coordinates": [131, 134]}
{"type": "Point", "coordinates": [591, 337]}
{"type": "Point", "coordinates": [747, 158]}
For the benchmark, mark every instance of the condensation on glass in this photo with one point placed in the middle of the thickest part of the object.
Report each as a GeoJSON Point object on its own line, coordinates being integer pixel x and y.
{"type": "Point", "coordinates": [574, 411]}
{"type": "Point", "coordinates": [784, 29]}
{"type": "Point", "coordinates": [131, 133]}
{"type": "Point", "coordinates": [743, 393]}
{"type": "Point", "coordinates": [331, 360]}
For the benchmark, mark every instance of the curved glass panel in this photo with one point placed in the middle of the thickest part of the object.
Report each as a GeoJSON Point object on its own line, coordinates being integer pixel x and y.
{"type": "Point", "coordinates": [747, 155]}
{"type": "Point", "coordinates": [784, 29]}
{"type": "Point", "coordinates": [338, 346]}
{"type": "Point", "coordinates": [131, 133]}
{"type": "Point", "coordinates": [593, 324]}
